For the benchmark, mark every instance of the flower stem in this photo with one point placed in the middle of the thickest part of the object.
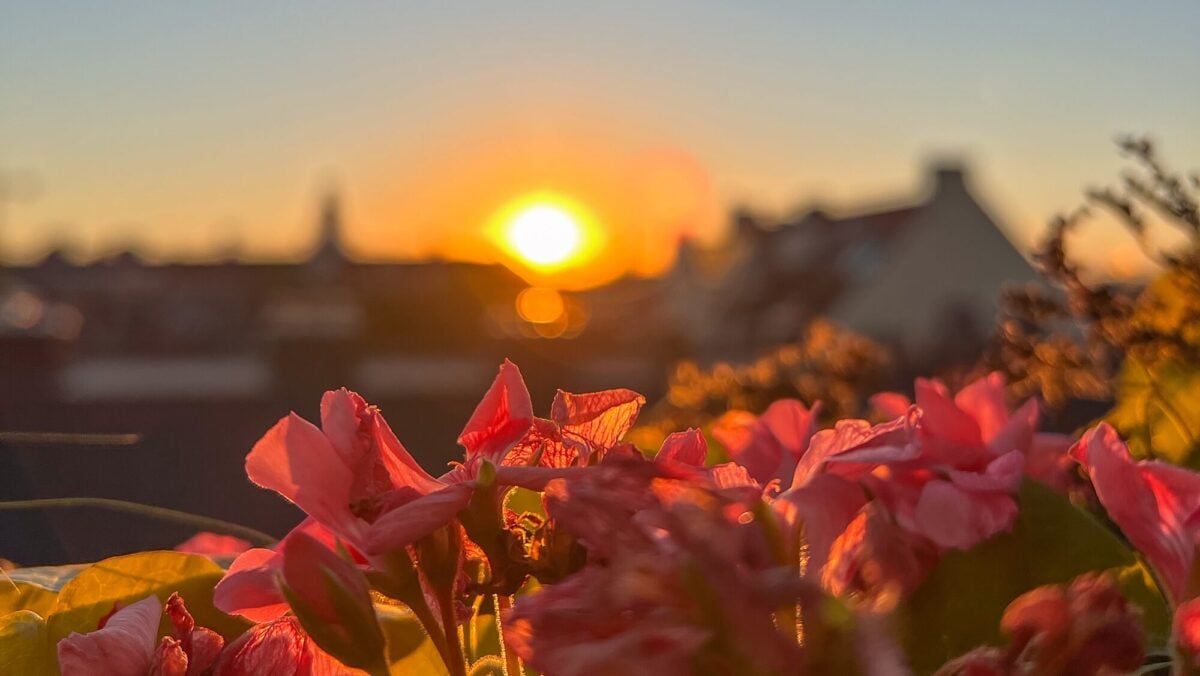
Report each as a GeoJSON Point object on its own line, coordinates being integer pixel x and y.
{"type": "Point", "coordinates": [455, 660]}
{"type": "Point", "coordinates": [196, 521]}
{"type": "Point", "coordinates": [512, 662]}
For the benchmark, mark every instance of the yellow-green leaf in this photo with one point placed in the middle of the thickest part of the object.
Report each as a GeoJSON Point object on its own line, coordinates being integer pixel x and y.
{"type": "Point", "coordinates": [91, 594]}
{"type": "Point", "coordinates": [25, 647]}
{"type": "Point", "coordinates": [1158, 410]}
{"type": "Point", "coordinates": [409, 650]}
{"type": "Point", "coordinates": [34, 588]}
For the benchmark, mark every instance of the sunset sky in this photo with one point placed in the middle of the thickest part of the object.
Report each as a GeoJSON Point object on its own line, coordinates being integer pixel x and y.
{"type": "Point", "coordinates": [190, 129]}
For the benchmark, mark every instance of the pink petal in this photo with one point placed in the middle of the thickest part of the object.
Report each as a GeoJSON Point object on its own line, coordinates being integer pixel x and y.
{"type": "Point", "coordinates": [823, 508]}
{"type": "Point", "coordinates": [199, 646]}
{"type": "Point", "coordinates": [1048, 461]}
{"type": "Point", "coordinates": [213, 544]}
{"type": "Point", "coordinates": [890, 404]}
{"type": "Point", "coordinates": [1002, 475]}
{"type": "Point", "coordinates": [295, 460]}
{"type": "Point", "coordinates": [534, 478]}
{"type": "Point", "coordinates": [340, 420]}
{"type": "Point", "coordinates": [1018, 432]}
{"type": "Point", "coordinates": [943, 419]}
{"type": "Point", "coordinates": [356, 430]}
{"type": "Point", "coordinates": [501, 418]}
{"type": "Point", "coordinates": [124, 647]}
{"type": "Point", "coordinates": [890, 442]}
{"type": "Point", "coordinates": [792, 424]}
{"type": "Point", "coordinates": [279, 648]}
{"type": "Point", "coordinates": [955, 519]}
{"type": "Point", "coordinates": [734, 430]}
{"type": "Point", "coordinates": [1187, 632]}
{"type": "Point", "coordinates": [545, 440]}
{"type": "Point", "coordinates": [599, 418]}
{"type": "Point", "coordinates": [404, 525]}
{"type": "Point", "coordinates": [731, 475]}
{"type": "Point", "coordinates": [984, 401]}
{"type": "Point", "coordinates": [1145, 500]}
{"type": "Point", "coordinates": [250, 588]}
{"type": "Point", "coordinates": [688, 448]}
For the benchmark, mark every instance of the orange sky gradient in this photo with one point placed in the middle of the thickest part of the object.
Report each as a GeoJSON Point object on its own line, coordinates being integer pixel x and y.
{"type": "Point", "coordinates": [204, 132]}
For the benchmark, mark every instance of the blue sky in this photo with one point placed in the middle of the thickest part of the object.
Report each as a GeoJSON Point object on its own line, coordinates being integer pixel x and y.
{"type": "Point", "coordinates": [182, 128]}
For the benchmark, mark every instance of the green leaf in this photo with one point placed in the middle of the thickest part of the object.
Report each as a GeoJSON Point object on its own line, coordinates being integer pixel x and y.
{"type": "Point", "coordinates": [25, 646]}
{"type": "Point", "coordinates": [34, 588]}
{"type": "Point", "coordinates": [1158, 410]}
{"type": "Point", "coordinates": [959, 607]}
{"type": "Point", "coordinates": [91, 593]}
{"type": "Point", "coordinates": [409, 650]}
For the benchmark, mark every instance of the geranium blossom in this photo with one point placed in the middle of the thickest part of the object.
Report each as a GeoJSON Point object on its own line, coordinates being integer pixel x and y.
{"type": "Point", "coordinates": [280, 648]}
{"type": "Point", "coordinates": [124, 644]}
{"type": "Point", "coordinates": [1156, 505]}
{"type": "Point", "coordinates": [357, 482]}
{"type": "Point", "coordinates": [971, 428]}
{"type": "Point", "coordinates": [580, 430]}
{"type": "Point", "coordinates": [922, 503]}
{"type": "Point", "coordinates": [769, 445]}
{"type": "Point", "coordinates": [1086, 628]}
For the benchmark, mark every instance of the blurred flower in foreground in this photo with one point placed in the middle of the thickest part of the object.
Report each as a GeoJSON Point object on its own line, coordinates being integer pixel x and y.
{"type": "Point", "coordinates": [213, 544]}
{"type": "Point", "coordinates": [1084, 629]}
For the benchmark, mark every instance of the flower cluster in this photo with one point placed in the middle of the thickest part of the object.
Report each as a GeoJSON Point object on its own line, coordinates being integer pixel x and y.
{"type": "Point", "coordinates": [803, 552]}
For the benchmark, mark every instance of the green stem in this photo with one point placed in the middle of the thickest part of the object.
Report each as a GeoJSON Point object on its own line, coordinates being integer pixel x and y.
{"type": "Point", "coordinates": [455, 660]}
{"type": "Point", "coordinates": [512, 662]}
{"type": "Point", "coordinates": [432, 627]}
{"type": "Point", "coordinates": [196, 521]}
{"type": "Point", "coordinates": [398, 578]}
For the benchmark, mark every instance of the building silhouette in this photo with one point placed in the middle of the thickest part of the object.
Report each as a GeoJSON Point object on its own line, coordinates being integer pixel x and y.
{"type": "Point", "coordinates": [188, 364]}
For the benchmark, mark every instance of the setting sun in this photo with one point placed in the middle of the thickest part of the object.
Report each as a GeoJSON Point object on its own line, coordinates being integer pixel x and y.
{"type": "Point", "coordinates": [544, 234]}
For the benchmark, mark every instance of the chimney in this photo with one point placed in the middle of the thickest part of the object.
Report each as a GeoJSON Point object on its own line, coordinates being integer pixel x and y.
{"type": "Point", "coordinates": [947, 175]}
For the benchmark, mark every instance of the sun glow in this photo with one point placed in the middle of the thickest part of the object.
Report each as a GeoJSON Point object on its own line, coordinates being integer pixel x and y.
{"type": "Point", "coordinates": [546, 232]}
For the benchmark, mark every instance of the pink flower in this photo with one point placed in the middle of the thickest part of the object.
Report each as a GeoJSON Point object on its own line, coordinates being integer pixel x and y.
{"type": "Point", "coordinates": [606, 620]}
{"type": "Point", "coordinates": [1086, 628]}
{"type": "Point", "coordinates": [279, 648]}
{"type": "Point", "coordinates": [213, 544]}
{"type": "Point", "coordinates": [877, 561]}
{"type": "Point", "coordinates": [1155, 504]}
{"type": "Point", "coordinates": [195, 648]}
{"type": "Point", "coordinates": [659, 547]}
{"type": "Point", "coordinates": [359, 485]}
{"type": "Point", "coordinates": [819, 512]}
{"type": "Point", "coordinates": [921, 506]}
{"type": "Point", "coordinates": [1187, 632]}
{"type": "Point", "coordinates": [853, 448]}
{"type": "Point", "coordinates": [978, 662]}
{"type": "Point", "coordinates": [974, 426]}
{"type": "Point", "coordinates": [249, 588]}
{"type": "Point", "coordinates": [122, 646]}
{"type": "Point", "coordinates": [354, 477]}
{"type": "Point", "coordinates": [955, 509]}
{"type": "Point", "coordinates": [687, 448]}
{"type": "Point", "coordinates": [582, 428]}
{"type": "Point", "coordinates": [770, 445]}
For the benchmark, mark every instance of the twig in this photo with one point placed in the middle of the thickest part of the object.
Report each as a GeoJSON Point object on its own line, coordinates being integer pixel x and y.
{"type": "Point", "coordinates": [197, 521]}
